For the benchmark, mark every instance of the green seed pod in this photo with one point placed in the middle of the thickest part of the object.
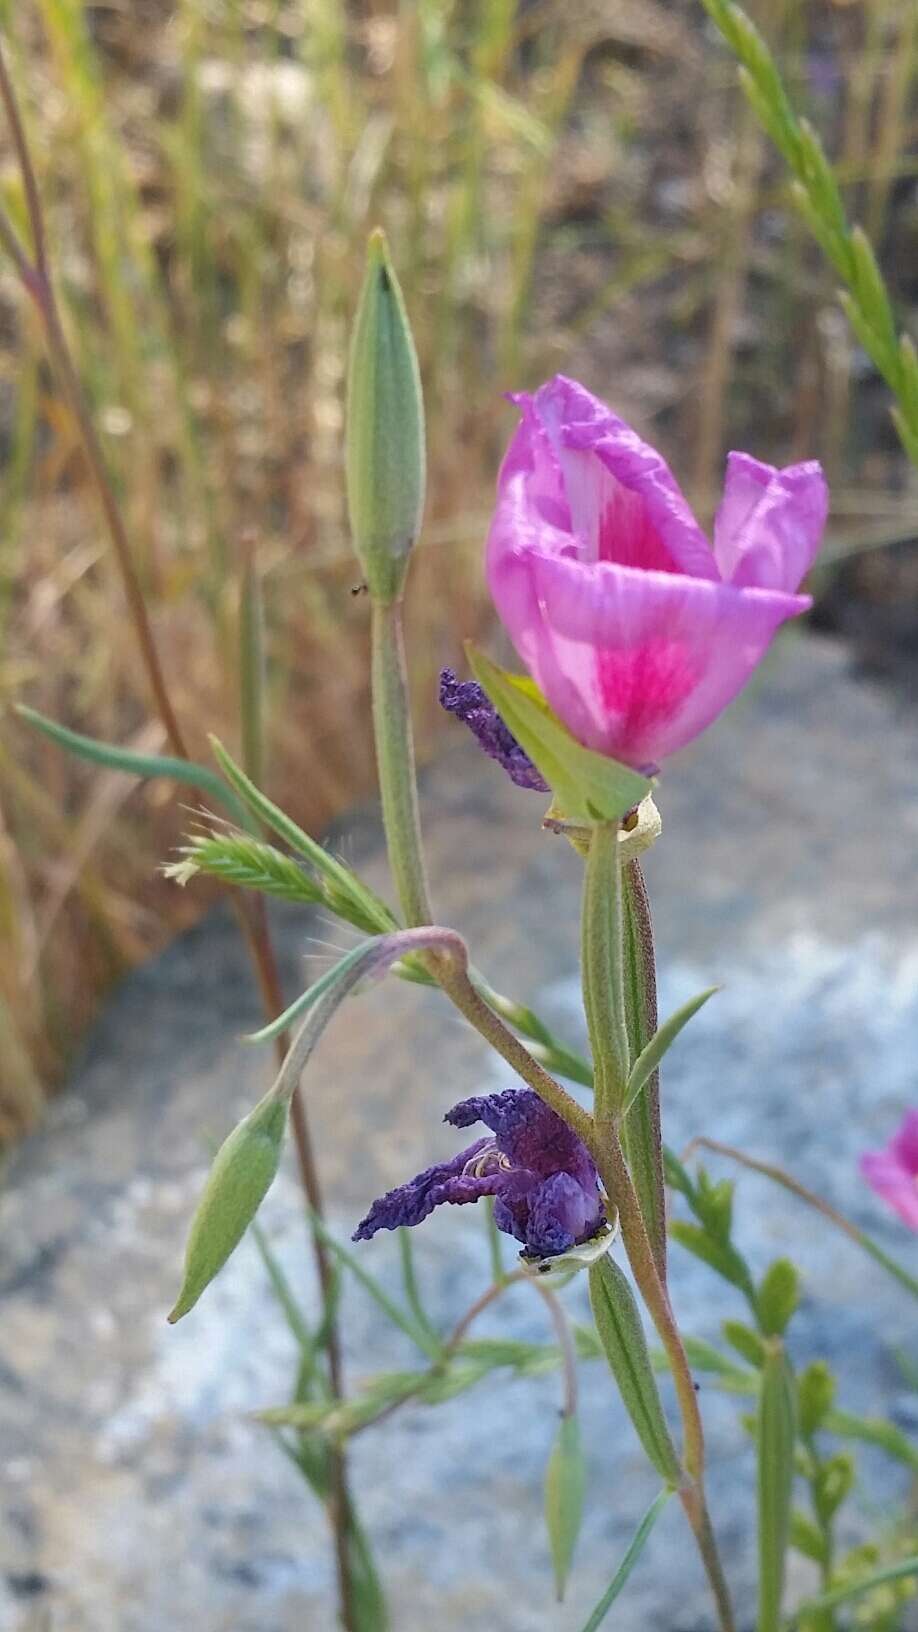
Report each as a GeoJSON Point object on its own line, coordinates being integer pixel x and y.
{"type": "Point", "coordinates": [622, 1336]}
{"type": "Point", "coordinates": [386, 462]}
{"type": "Point", "coordinates": [243, 1171]}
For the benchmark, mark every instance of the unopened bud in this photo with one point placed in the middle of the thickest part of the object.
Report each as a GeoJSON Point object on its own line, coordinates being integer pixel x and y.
{"type": "Point", "coordinates": [385, 429]}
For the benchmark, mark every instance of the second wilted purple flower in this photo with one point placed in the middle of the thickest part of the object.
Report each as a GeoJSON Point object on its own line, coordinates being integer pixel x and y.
{"type": "Point", "coordinates": [540, 1174]}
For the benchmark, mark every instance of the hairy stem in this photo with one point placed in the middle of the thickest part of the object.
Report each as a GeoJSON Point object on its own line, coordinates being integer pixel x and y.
{"type": "Point", "coordinates": [395, 762]}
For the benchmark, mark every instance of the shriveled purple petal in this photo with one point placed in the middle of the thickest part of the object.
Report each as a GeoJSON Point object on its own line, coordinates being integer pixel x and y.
{"type": "Point", "coordinates": [455, 1181]}
{"type": "Point", "coordinates": [560, 1216]}
{"type": "Point", "coordinates": [469, 703]}
{"type": "Point", "coordinates": [528, 1132]}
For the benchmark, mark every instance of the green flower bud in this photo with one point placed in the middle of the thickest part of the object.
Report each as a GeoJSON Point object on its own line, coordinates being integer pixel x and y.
{"type": "Point", "coordinates": [385, 429]}
{"type": "Point", "coordinates": [244, 1169]}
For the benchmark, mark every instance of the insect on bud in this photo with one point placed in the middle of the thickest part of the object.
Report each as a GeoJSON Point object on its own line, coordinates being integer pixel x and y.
{"type": "Point", "coordinates": [385, 429]}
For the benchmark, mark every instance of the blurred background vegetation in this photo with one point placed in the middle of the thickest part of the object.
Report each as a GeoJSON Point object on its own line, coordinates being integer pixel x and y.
{"type": "Point", "coordinates": [565, 186]}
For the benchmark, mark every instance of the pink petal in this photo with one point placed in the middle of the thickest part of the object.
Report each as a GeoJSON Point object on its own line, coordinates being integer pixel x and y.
{"type": "Point", "coordinates": [636, 663]}
{"type": "Point", "coordinates": [904, 1144]}
{"type": "Point", "coordinates": [893, 1183]}
{"type": "Point", "coordinates": [625, 504]}
{"type": "Point", "coordinates": [770, 522]}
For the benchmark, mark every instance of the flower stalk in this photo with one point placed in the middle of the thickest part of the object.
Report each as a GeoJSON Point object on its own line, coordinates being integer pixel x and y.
{"type": "Point", "coordinates": [395, 762]}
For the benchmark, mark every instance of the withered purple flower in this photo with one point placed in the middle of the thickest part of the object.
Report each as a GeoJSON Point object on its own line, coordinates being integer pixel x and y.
{"type": "Point", "coordinates": [469, 703]}
{"type": "Point", "coordinates": [540, 1174]}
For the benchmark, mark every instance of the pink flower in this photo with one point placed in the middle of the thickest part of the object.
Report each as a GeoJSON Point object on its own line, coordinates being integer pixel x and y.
{"type": "Point", "coordinates": [893, 1171]}
{"type": "Point", "coordinates": [636, 630]}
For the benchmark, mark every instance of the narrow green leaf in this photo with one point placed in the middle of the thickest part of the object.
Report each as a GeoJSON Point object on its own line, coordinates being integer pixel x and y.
{"type": "Point", "coordinates": [308, 999]}
{"type": "Point", "coordinates": [808, 1538]}
{"type": "Point", "coordinates": [745, 1341]}
{"type": "Point", "coordinates": [389, 1307]}
{"type": "Point", "coordinates": [775, 1437]}
{"type": "Point", "coordinates": [720, 1257]}
{"type": "Point", "coordinates": [565, 1489]}
{"type": "Point", "coordinates": [412, 1290]}
{"type": "Point", "coordinates": [854, 1589]}
{"type": "Point", "coordinates": [346, 893]}
{"type": "Point", "coordinates": [621, 1333]}
{"type": "Point", "coordinates": [815, 1397]}
{"type": "Point", "coordinates": [662, 1040]}
{"type": "Point", "coordinates": [873, 1431]}
{"type": "Point", "coordinates": [628, 1562]}
{"type": "Point", "coordinates": [778, 1296]}
{"type": "Point", "coordinates": [242, 1173]}
{"type": "Point", "coordinates": [832, 1485]}
{"type": "Point", "coordinates": [587, 785]}
{"type": "Point", "coordinates": [142, 766]}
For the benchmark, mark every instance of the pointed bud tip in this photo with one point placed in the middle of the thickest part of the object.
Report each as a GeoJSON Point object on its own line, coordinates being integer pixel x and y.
{"type": "Point", "coordinates": [377, 246]}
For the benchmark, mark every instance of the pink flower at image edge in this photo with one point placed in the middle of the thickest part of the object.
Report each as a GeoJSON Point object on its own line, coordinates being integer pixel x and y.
{"type": "Point", "coordinates": [893, 1171]}
{"type": "Point", "coordinates": [636, 629]}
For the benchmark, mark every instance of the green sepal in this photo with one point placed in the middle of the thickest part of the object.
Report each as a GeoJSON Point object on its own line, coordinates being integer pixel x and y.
{"type": "Point", "coordinates": [243, 1171]}
{"type": "Point", "coordinates": [565, 1489]}
{"type": "Point", "coordinates": [775, 1436]}
{"type": "Point", "coordinates": [621, 1333]}
{"type": "Point", "coordinates": [588, 786]}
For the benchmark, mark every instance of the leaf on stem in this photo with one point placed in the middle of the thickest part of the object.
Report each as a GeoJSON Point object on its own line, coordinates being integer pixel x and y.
{"type": "Point", "coordinates": [565, 1489]}
{"type": "Point", "coordinates": [661, 1041]}
{"type": "Point", "coordinates": [142, 766]}
{"type": "Point", "coordinates": [621, 1333]}
{"type": "Point", "coordinates": [627, 1564]}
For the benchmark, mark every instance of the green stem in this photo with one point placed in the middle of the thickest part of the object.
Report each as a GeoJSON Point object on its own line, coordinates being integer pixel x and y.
{"type": "Point", "coordinates": [395, 762]}
{"type": "Point", "coordinates": [603, 975]}
{"type": "Point", "coordinates": [641, 1130]}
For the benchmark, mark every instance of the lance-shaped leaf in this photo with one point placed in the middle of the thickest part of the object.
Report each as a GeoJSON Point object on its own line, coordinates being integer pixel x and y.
{"type": "Point", "coordinates": [142, 766]}
{"type": "Point", "coordinates": [621, 1333]}
{"type": "Point", "coordinates": [587, 786]}
{"type": "Point", "coordinates": [565, 1488]}
{"type": "Point", "coordinates": [775, 1437]}
{"type": "Point", "coordinates": [661, 1041]}
{"type": "Point", "coordinates": [627, 1564]}
{"type": "Point", "coordinates": [244, 1170]}
{"type": "Point", "coordinates": [247, 1162]}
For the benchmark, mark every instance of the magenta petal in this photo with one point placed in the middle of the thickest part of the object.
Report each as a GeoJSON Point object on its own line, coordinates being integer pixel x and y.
{"type": "Point", "coordinates": [624, 501]}
{"type": "Point", "coordinates": [893, 1183]}
{"type": "Point", "coordinates": [904, 1144]}
{"type": "Point", "coordinates": [637, 633]}
{"type": "Point", "coordinates": [770, 523]}
{"type": "Point", "coordinates": [638, 663]}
